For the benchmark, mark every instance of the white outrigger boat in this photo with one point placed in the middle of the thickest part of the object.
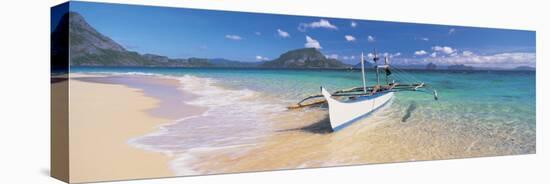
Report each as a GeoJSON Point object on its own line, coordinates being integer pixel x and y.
{"type": "Point", "coordinates": [349, 105]}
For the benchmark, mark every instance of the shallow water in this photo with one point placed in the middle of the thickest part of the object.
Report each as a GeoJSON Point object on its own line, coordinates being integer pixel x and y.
{"type": "Point", "coordinates": [246, 126]}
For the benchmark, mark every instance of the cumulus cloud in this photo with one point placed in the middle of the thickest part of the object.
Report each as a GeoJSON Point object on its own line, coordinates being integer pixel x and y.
{"type": "Point", "coordinates": [451, 31]}
{"type": "Point", "coordinates": [423, 39]}
{"type": "Point", "coordinates": [312, 43]}
{"type": "Point", "coordinates": [349, 38]}
{"type": "Point", "coordinates": [444, 49]}
{"type": "Point", "coordinates": [371, 38]}
{"type": "Point", "coordinates": [496, 60]}
{"type": "Point", "coordinates": [261, 58]}
{"type": "Point", "coordinates": [353, 24]}
{"type": "Point", "coordinates": [319, 24]}
{"type": "Point", "coordinates": [505, 60]}
{"type": "Point", "coordinates": [283, 34]}
{"type": "Point", "coordinates": [434, 54]}
{"type": "Point", "coordinates": [233, 37]}
{"type": "Point", "coordinates": [370, 55]}
{"type": "Point", "coordinates": [467, 53]}
{"type": "Point", "coordinates": [391, 55]}
{"type": "Point", "coordinates": [332, 56]}
{"type": "Point", "coordinates": [420, 53]}
{"type": "Point", "coordinates": [348, 57]}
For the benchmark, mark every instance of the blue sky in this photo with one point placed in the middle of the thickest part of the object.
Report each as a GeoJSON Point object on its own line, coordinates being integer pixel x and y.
{"type": "Point", "coordinates": [183, 33]}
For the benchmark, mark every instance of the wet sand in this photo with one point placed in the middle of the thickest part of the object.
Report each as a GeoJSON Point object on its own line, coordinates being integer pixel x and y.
{"type": "Point", "coordinates": [171, 100]}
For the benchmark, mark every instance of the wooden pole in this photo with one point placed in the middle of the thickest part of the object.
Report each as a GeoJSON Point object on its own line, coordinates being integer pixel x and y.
{"type": "Point", "coordinates": [363, 73]}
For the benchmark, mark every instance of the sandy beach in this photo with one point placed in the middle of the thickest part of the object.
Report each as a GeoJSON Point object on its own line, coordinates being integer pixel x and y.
{"type": "Point", "coordinates": [103, 117]}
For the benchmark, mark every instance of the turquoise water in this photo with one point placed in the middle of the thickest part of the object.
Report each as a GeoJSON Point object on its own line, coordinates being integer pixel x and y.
{"type": "Point", "coordinates": [486, 94]}
{"type": "Point", "coordinates": [479, 113]}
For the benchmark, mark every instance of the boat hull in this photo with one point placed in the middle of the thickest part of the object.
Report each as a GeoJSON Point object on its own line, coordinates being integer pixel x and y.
{"type": "Point", "coordinates": [342, 114]}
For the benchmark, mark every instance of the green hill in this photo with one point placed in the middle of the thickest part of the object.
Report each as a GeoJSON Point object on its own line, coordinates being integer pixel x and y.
{"type": "Point", "coordinates": [304, 58]}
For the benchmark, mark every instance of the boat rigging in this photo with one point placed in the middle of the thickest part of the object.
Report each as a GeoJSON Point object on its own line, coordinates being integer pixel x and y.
{"type": "Point", "coordinates": [348, 105]}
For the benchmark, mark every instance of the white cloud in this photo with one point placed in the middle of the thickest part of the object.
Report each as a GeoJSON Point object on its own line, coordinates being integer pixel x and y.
{"type": "Point", "coordinates": [352, 57]}
{"type": "Point", "coordinates": [444, 49]}
{"type": "Point", "coordinates": [349, 38]}
{"type": "Point", "coordinates": [353, 24]}
{"type": "Point", "coordinates": [370, 55]}
{"type": "Point", "coordinates": [332, 56]}
{"type": "Point", "coordinates": [371, 38]}
{"type": "Point", "coordinates": [320, 24]}
{"type": "Point", "coordinates": [233, 37]}
{"type": "Point", "coordinates": [283, 34]}
{"type": "Point", "coordinates": [257, 33]}
{"type": "Point", "coordinates": [467, 53]}
{"type": "Point", "coordinates": [390, 55]}
{"type": "Point", "coordinates": [385, 54]}
{"type": "Point", "coordinates": [312, 43]}
{"type": "Point", "coordinates": [506, 60]}
{"type": "Point", "coordinates": [433, 55]}
{"type": "Point", "coordinates": [424, 39]}
{"type": "Point", "coordinates": [420, 53]}
{"type": "Point", "coordinates": [451, 31]}
{"type": "Point", "coordinates": [261, 58]}
{"type": "Point", "coordinates": [500, 60]}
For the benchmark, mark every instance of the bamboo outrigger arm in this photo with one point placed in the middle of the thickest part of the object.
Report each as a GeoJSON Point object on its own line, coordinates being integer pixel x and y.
{"type": "Point", "coordinates": [359, 91]}
{"type": "Point", "coordinates": [299, 105]}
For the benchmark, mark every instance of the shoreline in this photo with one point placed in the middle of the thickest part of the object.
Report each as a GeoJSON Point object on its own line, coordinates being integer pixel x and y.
{"type": "Point", "coordinates": [166, 91]}
{"type": "Point", "coordinates": [100, 138]}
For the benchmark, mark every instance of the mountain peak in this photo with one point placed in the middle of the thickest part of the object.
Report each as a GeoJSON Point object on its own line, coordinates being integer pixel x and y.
{"type": "Point", "coordinates": [84, 37]}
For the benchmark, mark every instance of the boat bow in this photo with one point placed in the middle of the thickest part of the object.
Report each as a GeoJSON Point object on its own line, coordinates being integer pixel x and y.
{"type": "Point", "coordinates": [344, 113]}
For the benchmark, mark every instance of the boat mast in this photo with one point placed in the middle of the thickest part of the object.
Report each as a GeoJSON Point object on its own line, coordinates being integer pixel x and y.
{"type": "Point", "coordinates": [363, 73]}
{"type": "Point", "coordinates": [377, 75]}
{"type": "Point", "coordinates": [387, 68]}
{"type": "Point", "coordinates": [376, 66]}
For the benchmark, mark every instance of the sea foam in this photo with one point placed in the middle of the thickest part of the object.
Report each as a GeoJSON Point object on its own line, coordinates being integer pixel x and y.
{"type": "Point", "coordinates": [235, 118]}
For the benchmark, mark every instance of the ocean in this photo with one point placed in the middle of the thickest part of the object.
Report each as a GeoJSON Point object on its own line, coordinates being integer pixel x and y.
{"type": "Point", "coordinates": [247, 127]}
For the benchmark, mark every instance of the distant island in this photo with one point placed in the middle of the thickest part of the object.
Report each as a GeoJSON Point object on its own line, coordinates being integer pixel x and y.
{"type": "Point", "coordinates": [460, 67]}
{"type": "Point", "coordinates": [91, 48]}
{"type": "Point", "coordinates": [431, 66]}
{"type": "Point", "coordinates": [525, 68]}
